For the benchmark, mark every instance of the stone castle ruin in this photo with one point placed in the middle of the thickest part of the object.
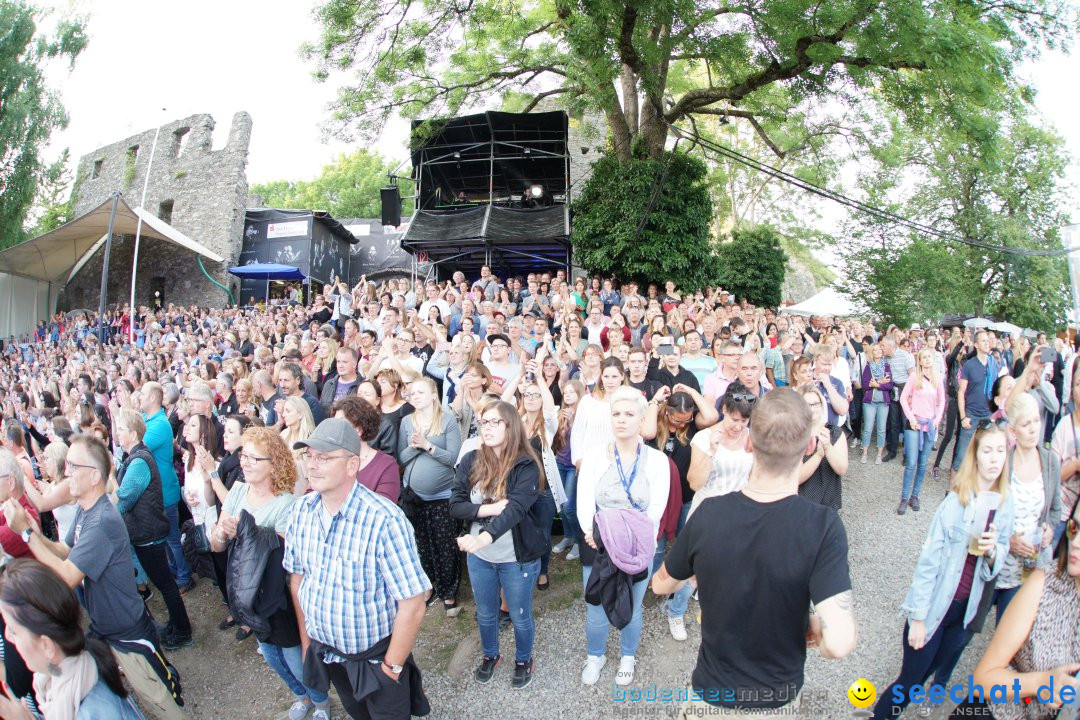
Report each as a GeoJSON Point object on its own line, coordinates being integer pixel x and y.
{"type": "Point", "coordinates": [200, 191]}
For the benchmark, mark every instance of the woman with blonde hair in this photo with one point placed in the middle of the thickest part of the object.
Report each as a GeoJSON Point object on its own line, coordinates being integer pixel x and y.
{"type": "Point", "coordinates": [326, 363]}
{"type": "Point", "coordinates": [54, 494]}
{"type": "Point", "coordinates": [923, 404]}
{"type": "Point", "coordinates": [957, 562]}
{"type": "Point", "coordinates": [299, 424]}
{"type": "Point", "coordinates": [428, 444]}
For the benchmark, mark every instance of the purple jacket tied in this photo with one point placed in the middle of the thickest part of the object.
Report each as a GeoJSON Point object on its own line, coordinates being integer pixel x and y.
{"type": "Point", "coordinates": [629, 538]}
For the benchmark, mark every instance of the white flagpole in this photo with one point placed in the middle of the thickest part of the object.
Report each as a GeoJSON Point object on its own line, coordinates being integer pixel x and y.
{"type": "Point", "coordinates": [138, 234]}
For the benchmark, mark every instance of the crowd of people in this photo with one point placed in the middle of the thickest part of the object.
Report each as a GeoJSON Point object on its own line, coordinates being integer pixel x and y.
{"type": "Point", "coordinates": [337, 469]}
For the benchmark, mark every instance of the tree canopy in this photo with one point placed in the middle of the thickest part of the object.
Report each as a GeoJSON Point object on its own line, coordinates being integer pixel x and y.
{"type": "Point", "coordinates": [752, 265]}
{"type": "Point", "coordinates": [29, 110]}
{"type": "Point", "coordinates": [347, 188]}
{"type": "Point", "coordinates": [646, 64]}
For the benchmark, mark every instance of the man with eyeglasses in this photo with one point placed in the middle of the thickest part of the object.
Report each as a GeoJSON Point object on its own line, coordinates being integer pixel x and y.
{"type": "Point", "coordinates": [595, 324]}
{"type": "Point", "coordinates": [396, 353]}
{"type": "Point", "coordinates": [356, 581]}
{"type": "Point", "coordinates": [716, 383]}
{"type": "Point", "coordinates": [96, 555]}
{"type": "Point", "coordinates": [503, 371]}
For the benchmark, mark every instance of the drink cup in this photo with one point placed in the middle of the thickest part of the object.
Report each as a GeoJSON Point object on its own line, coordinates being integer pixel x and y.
{"type": "Point", "coordinates": [986, 504]}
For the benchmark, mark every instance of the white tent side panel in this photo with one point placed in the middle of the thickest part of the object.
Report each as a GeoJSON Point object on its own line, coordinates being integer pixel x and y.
{"type": "Point", "coordinates": [24, 302]}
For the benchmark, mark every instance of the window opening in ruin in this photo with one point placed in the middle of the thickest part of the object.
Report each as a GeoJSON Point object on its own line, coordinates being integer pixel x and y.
{"type": "Point", "coordinates": [133, 153]}
{"type": "Point", "coordinates": [180, 137]}
{"type": "Point", "coordinates": [96, 173]}
{"type": "Point", "coordinates": [165, 210]}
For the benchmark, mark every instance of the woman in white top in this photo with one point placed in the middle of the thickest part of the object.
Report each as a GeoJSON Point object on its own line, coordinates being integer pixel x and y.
{"type": "Point", "coordinates": [719, 461]}
{"type": "Point", "coordinates": [54, 494]}
{"type": "Point", "coordinates": [619, 475]}
{"type": "Point", "coordinates": [592, 422]}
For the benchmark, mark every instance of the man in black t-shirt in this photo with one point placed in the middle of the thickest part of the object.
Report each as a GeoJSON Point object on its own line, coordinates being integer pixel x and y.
{"type": "Point", "coordinates": [779, 553]}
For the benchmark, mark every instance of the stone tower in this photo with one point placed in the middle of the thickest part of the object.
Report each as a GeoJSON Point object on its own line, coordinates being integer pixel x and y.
{"type": "Point", "coordinates": [198, 190]}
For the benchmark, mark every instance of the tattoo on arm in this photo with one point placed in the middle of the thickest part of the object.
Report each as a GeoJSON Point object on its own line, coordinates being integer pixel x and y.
{"type": "Point", "coordinates": [846, 601]}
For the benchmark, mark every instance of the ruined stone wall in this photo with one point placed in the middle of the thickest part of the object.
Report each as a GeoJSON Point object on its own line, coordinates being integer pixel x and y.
{"type": "Point", "coordinates": [200, 191]}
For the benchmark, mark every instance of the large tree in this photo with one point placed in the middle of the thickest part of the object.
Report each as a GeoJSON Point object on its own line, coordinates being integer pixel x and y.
{"type": "Point", "coordinates": [29, 110]}
{"type": "Point", "coordinates": [647, 64]}
{"type": "Point", "coordinates": [347, 188]}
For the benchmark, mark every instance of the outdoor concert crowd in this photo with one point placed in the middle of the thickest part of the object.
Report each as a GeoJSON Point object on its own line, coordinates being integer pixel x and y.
{"type": "Point", "coordinates": [339, 468]}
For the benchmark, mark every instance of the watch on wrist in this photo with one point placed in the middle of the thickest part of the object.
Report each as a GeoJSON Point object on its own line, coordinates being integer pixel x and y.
{"type": "Point", "coordinates": [25, 534]}
{"type": "Point", "coordinates": [396, 669]}
{"type": "Point", "coordinates": [215, 475]}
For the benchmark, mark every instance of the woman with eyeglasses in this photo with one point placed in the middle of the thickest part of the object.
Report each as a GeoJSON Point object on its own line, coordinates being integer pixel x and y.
{"type": "Point", "coordinates": [537, 410]}
{"type": "Point", "coordinates": [74, 676]}
{"type": "Point", "coordinates": [266, 493]}
{"type": "Point", "coordinates": [923, 404]}
{"type": "Point", "coordinates": [428, 444]}
{"type": "Point", "coordinates": [821, 472]}
{"type": "Point", "coordinates": [957, 562]}
{"type": "Point", "coordinates": [621, 474]}
{"type": "Point", "coordinates": [1037, 642]}
{"type": "Point", "coordinates": [496, 491]}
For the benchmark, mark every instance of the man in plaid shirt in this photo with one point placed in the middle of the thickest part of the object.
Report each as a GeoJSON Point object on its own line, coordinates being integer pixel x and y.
{"type": "Point", "coordinates": [357, 584]}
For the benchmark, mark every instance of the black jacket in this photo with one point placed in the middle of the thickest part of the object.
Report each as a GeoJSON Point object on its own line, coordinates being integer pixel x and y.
{"type": "Point", "coordinates": [608, 585]}
{"type": "Point", "coordinates": [522, 516]}
{"type": "Point", "coordinates": [329, 389]}
{"type": "Point", "coordinates": [249, 555]}
{"type": "Point", "coordinates": [145, 521]}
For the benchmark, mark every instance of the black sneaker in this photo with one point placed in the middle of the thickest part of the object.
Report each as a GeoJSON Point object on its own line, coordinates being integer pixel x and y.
{"type": "Point", "coordinates": [487, 668]}
{"type": "Point", "coordinates": [504, 620]}
{"type": "Point", "coordinates": [173, 641]}
{"type": "Point", "coordinates": [522, 674]}
{"type": "Point", "coordinates": [146, 593]}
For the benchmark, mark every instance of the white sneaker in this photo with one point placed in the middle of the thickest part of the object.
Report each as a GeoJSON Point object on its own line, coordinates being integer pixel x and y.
{"type": "Point", "coordinates": [625, 674]}
{"type": "Point", "coordinates": [563, 545]}
{"type": "Point", "coordinates": [677, 628]}
{"type": "Point", "coordinates": [593, 665]}
{"type": "Point", "coordinates": [574, 553]}
{"type": "Point", "coordinates": [299, 710]}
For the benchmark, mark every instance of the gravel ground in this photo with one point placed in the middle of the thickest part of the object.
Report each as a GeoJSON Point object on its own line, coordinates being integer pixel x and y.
{"type": "Point", "coordinates": [226, 679]}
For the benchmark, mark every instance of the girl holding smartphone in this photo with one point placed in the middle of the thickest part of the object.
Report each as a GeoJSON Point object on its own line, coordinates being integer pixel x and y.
{"type": "Point", "coordinates": [947, 588]}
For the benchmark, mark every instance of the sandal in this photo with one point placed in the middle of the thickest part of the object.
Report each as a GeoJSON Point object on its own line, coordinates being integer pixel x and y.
{"type": "Point", "coordinates": [226, 623]}
{"type": "Point", "coordinates": [243, 633]}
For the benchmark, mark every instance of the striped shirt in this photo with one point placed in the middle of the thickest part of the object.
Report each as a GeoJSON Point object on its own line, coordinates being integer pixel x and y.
{"type": "Point", "coordinates": [356, 564]}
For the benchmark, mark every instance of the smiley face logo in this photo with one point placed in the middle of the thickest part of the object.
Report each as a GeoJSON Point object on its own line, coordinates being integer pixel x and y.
{"type": "Point", "coordinates": [862, 693]}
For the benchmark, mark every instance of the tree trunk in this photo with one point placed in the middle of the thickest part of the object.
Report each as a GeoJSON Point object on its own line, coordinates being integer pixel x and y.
{"type": "Point", "coordinates": [630, 98]}
{"type": "Point", "coordinates": [653, 132]}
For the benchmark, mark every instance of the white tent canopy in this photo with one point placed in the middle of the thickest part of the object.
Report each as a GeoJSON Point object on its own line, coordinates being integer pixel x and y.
{"type": "Point", "coordinates": [826, 302]}
{"type": "Point", "coordinates": [45, 264]}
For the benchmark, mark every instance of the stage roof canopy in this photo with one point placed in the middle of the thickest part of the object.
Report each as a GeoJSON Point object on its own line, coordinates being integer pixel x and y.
{"type": "Point", "coordinates": [57, 255]}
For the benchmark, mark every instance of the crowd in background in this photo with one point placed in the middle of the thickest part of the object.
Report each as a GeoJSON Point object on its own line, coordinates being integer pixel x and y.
{"type": "Point", "coordinates": [337, 468]}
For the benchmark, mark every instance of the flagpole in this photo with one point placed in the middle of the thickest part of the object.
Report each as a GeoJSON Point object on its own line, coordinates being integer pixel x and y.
{"type": "Point", "coordinates": [138, 234]}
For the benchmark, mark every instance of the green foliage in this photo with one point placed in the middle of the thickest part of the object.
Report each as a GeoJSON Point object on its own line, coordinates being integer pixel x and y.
{"type": "Point", "coordinates": [349, 188]}
{"type": "Point", "coordinates": [129, 167]}
{"type": "Point", "coordinates": [673, 243]}
{"type": "Point", "coordinates": [752, 265]}
{"type": "Point", "coordinates": [55, 201]}
{"type": "Point", "coordinates": [29, 110]}
{"type": "Point", "coordinates": [795, 64]}
{"type": "Point", "coordinates": [1003, 188]}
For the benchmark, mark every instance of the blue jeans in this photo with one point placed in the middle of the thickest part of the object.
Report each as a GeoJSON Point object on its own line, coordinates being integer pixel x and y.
{"type": "Point", "coordinates": [288, 663]}
{"type": "Point", "coordinates": [597, 625]}
{"type": "Point", "coordinates": [676, 606]}
{"type": "Point", "coordinates": [140, 573]}
{"type": "Point", "coordinates": [571, 529]}
{"type": "Point", "coordinates": [547, 510]}
{"type": "Point", "coordinates": [517, 581]}
{"type": "Point", "coordinates": [874, 416]}
{"type": "Point", "coordinates": [915, 462]}
{"type": "Point", "coordinates": [177, 563]}
{"type": "Point", "coordinates": [963, 439]}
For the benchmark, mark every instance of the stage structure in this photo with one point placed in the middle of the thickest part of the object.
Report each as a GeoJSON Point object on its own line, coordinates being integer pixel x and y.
{"type": "Point", "coordinates": [311, 243]}
{"type": "Point", "coordinates": [492, 189]}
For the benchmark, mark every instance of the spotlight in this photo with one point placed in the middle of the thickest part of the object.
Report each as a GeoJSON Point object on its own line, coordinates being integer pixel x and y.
{"type": "Point", "coordinates": [527, 151]}
{"type": "Point", "coordinates": [457, 156]}
{"type": "Point", "coordinates": [536, 191]}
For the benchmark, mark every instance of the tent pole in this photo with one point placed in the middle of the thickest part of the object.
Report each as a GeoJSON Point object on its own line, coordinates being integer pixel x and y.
{"type": "Point", "coordinates": [105, 271]}
{"type": "Point", "coordinates": [138, 231]}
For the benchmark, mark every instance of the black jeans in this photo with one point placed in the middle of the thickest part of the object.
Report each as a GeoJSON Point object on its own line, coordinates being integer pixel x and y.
{"type": "Point", "coordinates": [392, 701]}
{"type": "Point", "coordinates": [942, 648]}
{"type": "Point", "coordinates": [952, 425]}
{"type": "Point", "coordinates": [892, 428]}
{"type": "Point", "coordinates": [855, 412]}
{"type": "Point", "coordinates": [155, 562]}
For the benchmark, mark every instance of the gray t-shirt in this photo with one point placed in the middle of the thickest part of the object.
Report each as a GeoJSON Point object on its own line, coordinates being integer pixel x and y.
{"type": "Point", "coordinates": [273, 514]}
{"type": "Point", "coordinates": [100, 548]}
{"type": "Point", "coordinates": [500, 551]}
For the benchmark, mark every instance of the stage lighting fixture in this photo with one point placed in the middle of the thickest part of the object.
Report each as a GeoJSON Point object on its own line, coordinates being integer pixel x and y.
{"type": "Point", "coordinates": [536, 191]}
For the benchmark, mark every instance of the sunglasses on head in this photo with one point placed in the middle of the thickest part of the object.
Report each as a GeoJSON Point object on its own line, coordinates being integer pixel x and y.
{"type": "Point", "coordinates": [987, 423]}
{"type": "Point", "coordinates": [744, 397]}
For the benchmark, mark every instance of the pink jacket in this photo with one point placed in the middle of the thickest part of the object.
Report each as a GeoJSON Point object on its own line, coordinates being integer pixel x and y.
{"type": "Point", "coordinates": [926, 403]}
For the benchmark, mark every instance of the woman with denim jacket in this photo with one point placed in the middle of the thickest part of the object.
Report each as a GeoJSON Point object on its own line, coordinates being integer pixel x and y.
{"type": "Point", "coordinates": [496, 491]}
{"type": "Point", "coordinates": [948, 583]}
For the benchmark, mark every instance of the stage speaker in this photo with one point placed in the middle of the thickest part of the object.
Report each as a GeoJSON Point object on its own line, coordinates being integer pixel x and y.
{"type": "Point", "coordinates": [391, 205]}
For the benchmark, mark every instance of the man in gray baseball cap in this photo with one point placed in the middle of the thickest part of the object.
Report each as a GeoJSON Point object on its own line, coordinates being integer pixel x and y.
{"type": "Point", "coordinates": [358, 618]}
{"type": "Point", "coordinates": [332, 434]}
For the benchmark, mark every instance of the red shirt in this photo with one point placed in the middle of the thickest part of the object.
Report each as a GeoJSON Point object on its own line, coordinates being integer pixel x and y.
{"type": "Point", "coordinates": [11, 541]}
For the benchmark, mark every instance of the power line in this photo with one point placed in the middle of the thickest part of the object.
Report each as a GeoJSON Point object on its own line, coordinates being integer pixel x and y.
{"type": "Point", "coordinates": [856, 204]}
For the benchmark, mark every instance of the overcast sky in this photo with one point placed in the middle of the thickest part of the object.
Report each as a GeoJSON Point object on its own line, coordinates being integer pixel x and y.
{"type": "Point", "coordinates": [229, 55]}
